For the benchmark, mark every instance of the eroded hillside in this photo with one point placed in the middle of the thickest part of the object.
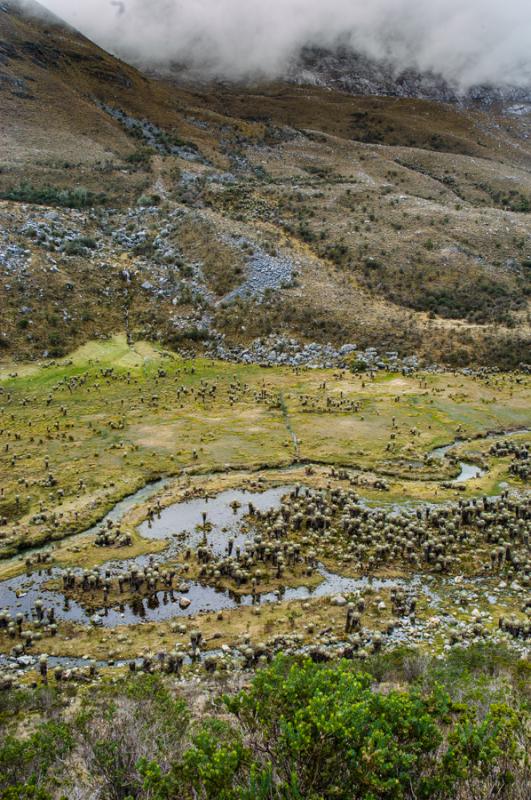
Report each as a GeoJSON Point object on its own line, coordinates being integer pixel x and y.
{"type": "Point", "coordinates": [188, 214]}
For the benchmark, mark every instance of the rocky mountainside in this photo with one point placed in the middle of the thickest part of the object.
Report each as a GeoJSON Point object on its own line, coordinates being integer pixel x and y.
{"type": "Point", "coordinates": [215, 216]}
{"type": "Point", "coordinates": [347, 71]}
{"type": "Point", "coordinates": [56, 88]}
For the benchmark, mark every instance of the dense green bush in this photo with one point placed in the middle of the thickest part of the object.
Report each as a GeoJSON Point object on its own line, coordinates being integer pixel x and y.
{"type": "Point", "coordinates": [330, 734]}
{"type": "Point", "coordinates": [54, 196]}
{"type": "Point", "coordinates": [25, 762]}
{"type": "Point", "coordinates": [141, 157]}
{"type": "Point", "coordinates": [79, 246]}
{"type": "Point", "coordinates": [176, 339]}
{"type": "Point", "coordinates": [456, 730]}
{"type": "Point", "coordinates": [310, 731]}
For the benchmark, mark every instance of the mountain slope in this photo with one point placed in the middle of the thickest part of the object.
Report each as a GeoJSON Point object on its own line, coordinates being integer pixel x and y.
{"type": "Point", "coordinates": [348, 71]}
{"type": "Point", "coordinates": [52, 84]}
{"type": "Point", "coordinates": [189, 213]}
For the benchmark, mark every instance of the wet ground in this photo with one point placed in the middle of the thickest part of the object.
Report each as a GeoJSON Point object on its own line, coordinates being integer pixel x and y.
{"type": "Point", "coordinates": [182, 524]}
{"type": "Point", "coordinates": [470, 471]}
{"type": "Point", "coordinates": [215, 520]}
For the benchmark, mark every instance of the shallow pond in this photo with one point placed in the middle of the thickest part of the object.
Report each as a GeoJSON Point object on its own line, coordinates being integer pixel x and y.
{"type": "Point", "coordinates": [183, 522]}
{"type": "Point", "coordinates": [164, 605]}
{"type": "Point", "coordinates": [223, 520]}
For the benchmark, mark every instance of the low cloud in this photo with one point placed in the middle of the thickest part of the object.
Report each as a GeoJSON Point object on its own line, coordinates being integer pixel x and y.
{"type": "Point", "coordinates": [466, 41]}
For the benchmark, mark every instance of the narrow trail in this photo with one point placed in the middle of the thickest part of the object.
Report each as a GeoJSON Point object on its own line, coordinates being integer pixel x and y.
{"type": "Point", "coordinates": [287, 422]}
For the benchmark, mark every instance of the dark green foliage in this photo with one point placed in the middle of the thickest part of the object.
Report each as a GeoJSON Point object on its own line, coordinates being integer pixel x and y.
{"type": "Point", "coordinates": [455, 730]}
{"type": "Point", "coordinates": [28, 701]}
{"type": "Point", "coordinates": [339, 738]}
{"type": "Point", "coordinates": [512, 200]}
{"type": "Point", "coordinates": [24, 791]}
{"type": "Point", "coordinates": [141, 158]}
{"type": "Point", "coordinates": [338, 253]}
{"type": "Point", "coordinates": [319, 732]}
{"type": "Point", "coordinates": [78, 247]}
{"type": "Point", "coordinates": [177, 339]}
{"type": "Point", "coordinates": [305, 233]}
{"type": "Point", "coordinates": [146, 200]}
{"type": "Point", "coordinates": [25, 762]}
{"type": "Point", "coordinates": [54, 196]}
{"type": "Point", "coordinates": [479, 302]}
{"type": "Point", "coordinates": [424, 288]}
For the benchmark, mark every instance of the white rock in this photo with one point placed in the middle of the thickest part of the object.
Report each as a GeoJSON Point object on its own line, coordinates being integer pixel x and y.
{"type": "Point", "coordinates": [338, 600]}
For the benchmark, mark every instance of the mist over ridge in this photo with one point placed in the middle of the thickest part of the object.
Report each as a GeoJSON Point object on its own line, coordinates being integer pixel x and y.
{"type": "Point", "coordinates": [477, 42]}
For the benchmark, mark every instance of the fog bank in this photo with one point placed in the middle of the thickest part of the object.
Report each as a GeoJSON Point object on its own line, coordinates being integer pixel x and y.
{"type": "Point", "coordinates": [467, 41]}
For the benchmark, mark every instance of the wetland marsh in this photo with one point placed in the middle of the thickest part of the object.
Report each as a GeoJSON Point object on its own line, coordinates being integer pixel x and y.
{"type": "Point", "coordinates": [146, 497]}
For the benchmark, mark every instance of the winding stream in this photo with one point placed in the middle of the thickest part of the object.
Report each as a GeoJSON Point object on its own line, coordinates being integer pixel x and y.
{"type": "Point", "coordinates": [182, 525]}
{"type": "Point", "coordinates": [467, 472]}
{"type": "Point", "coordinates": [470, 471]}
{"type": "Point", "coordinates": [182, 522]}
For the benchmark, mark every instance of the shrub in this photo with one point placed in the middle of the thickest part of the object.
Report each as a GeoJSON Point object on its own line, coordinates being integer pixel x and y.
{"type": "Point", "coordinates": [300, 730]}
{"type": "Point", "coordinates": [54, 196]}
{"type": "Point", "coordinates": [24, 763]}
{"type": "Point", "coordinates": [146, 200]}
{"type": "Point", "coordinates": [141, 158]}
{"type": "Point", "coordinates": [315, 732]}
{"type": "Point", "coordinates": [328, 733]}
{"type": "Point", "coordinates": [78, 247]}
{"type": "Point", "coordinates": [177, 339]}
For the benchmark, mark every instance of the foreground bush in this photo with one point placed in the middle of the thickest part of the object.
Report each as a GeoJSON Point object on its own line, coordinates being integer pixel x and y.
{"type": "Point", "coordinates": [301, 730]}
{"type": "Point", "coordinates": [25, 763]}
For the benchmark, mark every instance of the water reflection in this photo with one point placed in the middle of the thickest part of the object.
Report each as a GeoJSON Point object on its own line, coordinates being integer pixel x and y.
{"type": "Point", "coordinates": [183, 524]}
{"type": "Point", "coordinates": [164, 604]}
